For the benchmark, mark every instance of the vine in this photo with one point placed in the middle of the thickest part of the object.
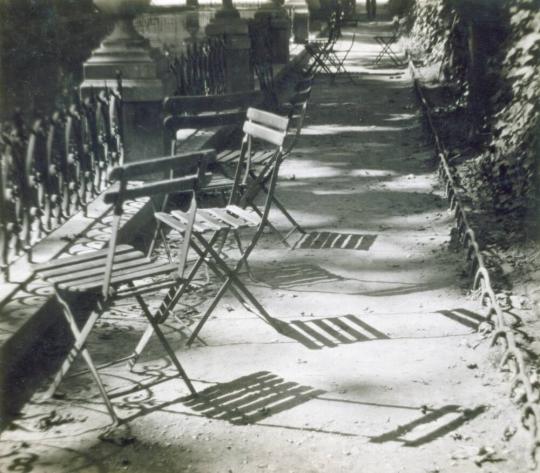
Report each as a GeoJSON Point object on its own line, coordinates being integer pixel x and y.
{"type": "Point", "coordinates": [487, 56]}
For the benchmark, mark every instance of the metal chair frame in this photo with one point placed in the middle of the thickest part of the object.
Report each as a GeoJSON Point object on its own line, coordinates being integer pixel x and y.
{"type": "Point", "coordinates": [295, 109]}
{"type": "Point", "coordinates": [118, 271]}
{"type": "Point", "coordinates": [233, 217]}
{"type": "Point", "coordinates": [386, 42]}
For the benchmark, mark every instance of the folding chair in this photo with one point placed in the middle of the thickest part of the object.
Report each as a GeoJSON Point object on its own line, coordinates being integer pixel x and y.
{"type": "Point", "coordinates": [189, 117]}
{"type": "Point", "coordinates": [386, 42]}
{"type": "Point", "coordinates": [186, 115]}
{"type": "Point", "coordinates": [120, 271]}
{"type": "Point", "coordinates": [212, 223]}
{"type": "Point", "coordinates": [318, 50]}
{"type": "Point", "coordinates": [326, 57]}
{"type": "Point", "coordinates": [295, 110]}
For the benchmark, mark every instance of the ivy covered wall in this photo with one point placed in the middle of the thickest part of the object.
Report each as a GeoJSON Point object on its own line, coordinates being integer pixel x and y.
{"type": "Point", "coordinates": [488, 54]}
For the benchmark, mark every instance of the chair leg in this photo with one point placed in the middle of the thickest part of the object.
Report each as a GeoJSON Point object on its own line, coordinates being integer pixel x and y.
{"type": "Point", "coordinates": [288, 216]}
{"type": "Point", "coordinates": [209, 311]}
{"type": "Point", "coordinates": [80, 336]}
{"type": "Point", "coordinates": [165, 343]}
{"type": "Point", "coordinates": [271, 226]}
{"type": "Point", "coordinates": [246, 264]}
{"type": "Point", "coordinates": [172, 298]}
{"type": "Point", "coordinates": [232, 277]}
{"type": "Point", "coordinates": [219, 273]}
{"type": "Point", "coordinates": [282, 209]}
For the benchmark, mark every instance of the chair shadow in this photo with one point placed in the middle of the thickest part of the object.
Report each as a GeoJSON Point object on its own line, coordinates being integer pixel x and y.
{"type": "Point", "coordinates": [249, 399]}
{"type": "Point", "coordinates": [397, 435]}
{"type": "Point", "coordinates": [334, 240]}
{"type": "Point", "coordinates": [297, 274]}
{"type": "Point", "coordinates": [464, 317]}
{"type": "Point", "coordinates": [328, 332]}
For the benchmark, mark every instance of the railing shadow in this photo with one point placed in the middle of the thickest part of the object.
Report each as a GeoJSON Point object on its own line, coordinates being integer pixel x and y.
{"type": "Point", "coordinates": [328, 332]}
{"type": "Point", "coordinates": [251, 398]}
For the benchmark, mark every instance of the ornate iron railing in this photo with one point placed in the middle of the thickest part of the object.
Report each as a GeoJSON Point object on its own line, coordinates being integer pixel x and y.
{"type": "Point", "coordinates": [525, 386]}
{"type": "Point", "coordinates": [54, 167]}
{"type": "Point", "coordinates": [200, 68]}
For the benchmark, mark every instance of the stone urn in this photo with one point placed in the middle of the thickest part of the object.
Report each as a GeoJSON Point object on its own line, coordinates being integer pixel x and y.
{"type": "Point", "coordinates": [123, 12]}
{"type": "Point", "coordinates": [127, 52]}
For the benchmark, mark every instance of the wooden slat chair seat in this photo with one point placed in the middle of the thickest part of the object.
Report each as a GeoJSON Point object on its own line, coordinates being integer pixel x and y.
{"type": "Point", "coordinates": [121, 271]}
{"type": "Point", "coordinates": [210, 220]}
{"type": "Point", "coordinates": [212, 224]}
{"type": "Point", "coordinates": [295, 109]}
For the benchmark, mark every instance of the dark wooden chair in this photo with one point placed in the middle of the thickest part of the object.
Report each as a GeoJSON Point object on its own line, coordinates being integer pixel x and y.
{"type": "Point", "coordinates": [121, 271]}
{"type": "Point", "coordinates": [207, 117]}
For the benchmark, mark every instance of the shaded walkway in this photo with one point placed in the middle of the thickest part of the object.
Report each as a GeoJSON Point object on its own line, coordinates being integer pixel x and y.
{"type": "Point", "coordinates": [373, 349]}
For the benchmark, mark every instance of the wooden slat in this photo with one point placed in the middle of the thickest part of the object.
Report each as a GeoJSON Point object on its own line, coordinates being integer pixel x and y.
{"type": "Point", "coordinates": [268, 119]}
{"type": "Point", "coordinates": [229, 218]}
{"type": "Point", "coordinates": [174, 122]}
{"type": "Point", "coordinates": [260, 157]}
{"type": "Point", "coordinates": [119, 277]}
{"type": "Point", "coordinates": [154, 287]}
{"type": "Point", "coordinates": [218, 182]}
{"type": "Point", "coordinates": [228, 155]}
{"type": "Point", "coordinates": [89, 265]}
{"type": "Point", "coordinates": [169, 186]}
{"type": "Point", "coordinates": [177, 162]}
{"type": "Point", "coordinates": [249, 216]}
{"type": "Point", "coordinates": [195, 104]}
{"type": "Point", "coordinates": [171, 221]}
{"type": "Point", "coordinates": [264, 133]}
{"type": "Point", "coordinates": [211, 223]}
{"type": "Point", "coordinates": [75, 276]}
{"type": "Point", "coordinates": [183, 220]}
{"type": "Point", "coordinates": [91, 255]}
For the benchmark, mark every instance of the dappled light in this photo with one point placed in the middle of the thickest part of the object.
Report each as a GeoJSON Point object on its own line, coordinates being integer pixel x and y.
{"type": "Point", "coordinates": [303, 267]}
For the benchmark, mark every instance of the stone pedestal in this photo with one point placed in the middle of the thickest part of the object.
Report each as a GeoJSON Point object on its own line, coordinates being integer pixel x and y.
{"type": "Point", "coordinates": [279, 26]}
{"type": "Point", "coordinates": [300, 20]}
{"type": "Point", "coordinates": [127, 52]}
{"type": "Point", "coordinates": [228, 25]}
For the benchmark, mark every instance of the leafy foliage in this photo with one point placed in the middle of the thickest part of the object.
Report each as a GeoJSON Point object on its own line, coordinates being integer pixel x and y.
{"type": "Point", "coordinates": [488, 54]}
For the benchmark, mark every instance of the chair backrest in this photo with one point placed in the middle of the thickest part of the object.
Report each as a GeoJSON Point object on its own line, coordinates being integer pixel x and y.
{"type": "Point", "coordinates": [206, 111]}
{"type": "Point", "coordinates": [192, 166]}
{"type": "Point", "coordinates": [270, 129]}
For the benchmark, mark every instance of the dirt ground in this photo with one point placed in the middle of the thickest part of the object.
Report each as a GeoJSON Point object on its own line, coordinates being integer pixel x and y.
{"type": "Point", "coordinates": [379, 363]}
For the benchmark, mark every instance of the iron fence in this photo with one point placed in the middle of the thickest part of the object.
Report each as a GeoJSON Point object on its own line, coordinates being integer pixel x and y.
{"type": "Point", "coordinates": [261, 61]}
{"type": "Point", "coordinates": [54, 166]}
{"type": "Point", "coordinates": [200, 68]}
{"type": "Point", "coordinates": [525, 386]}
